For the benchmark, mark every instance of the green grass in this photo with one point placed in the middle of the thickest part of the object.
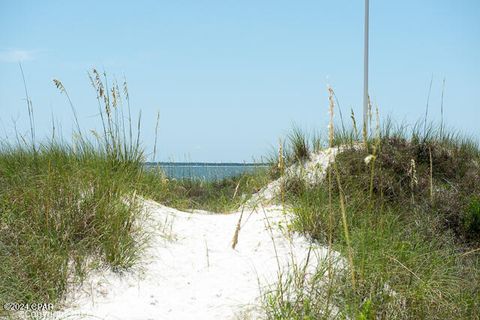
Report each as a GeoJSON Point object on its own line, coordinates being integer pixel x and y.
{"type": "Point", "coordinates": [409, 220]}
{"type": "Point", "coordinates": [296, 147]}
{"type": "Point", "coordinates": [67, 208]}
{"type": "Point", "coordinates": [63, 214]}
{"type": "Point", "coordinates": [221, 196]}
{"type": "Point", "coordinates": [413, 234]}
{"type": "Point", "coordinates": [61, 209]}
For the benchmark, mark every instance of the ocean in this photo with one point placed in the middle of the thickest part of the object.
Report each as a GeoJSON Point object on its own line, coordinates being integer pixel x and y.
{"type": "Point", "coordinates": [205, 171]}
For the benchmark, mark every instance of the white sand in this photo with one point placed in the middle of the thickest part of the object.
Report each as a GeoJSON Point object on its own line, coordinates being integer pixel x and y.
{"type": "Point", "coordinates": [312, 171]}
{"type": "Point", "coordinates": [190, 271]}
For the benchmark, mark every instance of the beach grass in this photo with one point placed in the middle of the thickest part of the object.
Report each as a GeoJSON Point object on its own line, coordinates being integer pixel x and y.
{"type": "Point", "coordinates": [64, 212]}
{"type": "Point", "coordinates": [67, 208]}
{"type": "Point", "coordinates": [403, 211]}
{"type": "Point", "coordinates": [70, 207]}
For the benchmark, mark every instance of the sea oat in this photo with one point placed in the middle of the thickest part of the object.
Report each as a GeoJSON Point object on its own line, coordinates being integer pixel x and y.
{"type": "Point", "coordinates": [331, 128]}
{"type": "Point", "coordinates": [412, 172]}
{"type": "Point", "coordinates": [355, 130]}
{"type": "Point", "coordinates": [369, 158]}
{"type": "Point", "coordinates": [114, 97]}
{"type": "Point", "coordinates": [59, 85]}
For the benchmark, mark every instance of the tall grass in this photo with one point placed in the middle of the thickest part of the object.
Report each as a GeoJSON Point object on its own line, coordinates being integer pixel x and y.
{"type": "Point", "coordinates": [69, 207]}
{"type": "Point", "coordinates": [404, 212]}
{"type": "Point", "coordinates": [300, 145]}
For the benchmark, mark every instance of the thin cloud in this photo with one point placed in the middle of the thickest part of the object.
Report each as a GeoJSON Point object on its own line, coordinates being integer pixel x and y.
{"type": "Point", "coordinates": [16, 55]}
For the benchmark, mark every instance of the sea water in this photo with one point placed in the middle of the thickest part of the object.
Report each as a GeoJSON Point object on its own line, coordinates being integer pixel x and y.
{"type": "Point", "coordinates": [205, 171]}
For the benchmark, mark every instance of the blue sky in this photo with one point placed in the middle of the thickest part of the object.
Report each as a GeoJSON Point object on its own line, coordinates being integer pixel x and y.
{"type": "Point", "coordinates": [230, 77]}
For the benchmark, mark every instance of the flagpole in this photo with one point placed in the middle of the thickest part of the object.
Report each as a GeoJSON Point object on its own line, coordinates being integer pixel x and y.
{"type": "Point", "coordinates": [365, 70]}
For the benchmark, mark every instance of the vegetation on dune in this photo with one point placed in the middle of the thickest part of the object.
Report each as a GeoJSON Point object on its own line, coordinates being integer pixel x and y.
{"type": "Point", "coordinates": [406, 209]}
{"type": "Point", "coordinates": [297, 147]}
{"type": "Point", "coordinates": [69, 208]}
{"type": "Point", "coordinates": [58, 209]}
{"type": "Point", "coordinates": [403, 209]}
{"type": "Point", "coordinates": [221, 196]}
{"type": "Point", "coordinates": [66, 209]}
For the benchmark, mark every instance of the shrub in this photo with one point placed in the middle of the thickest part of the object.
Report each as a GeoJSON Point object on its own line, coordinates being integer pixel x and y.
{"type": "Point", "coordinates": [472, 218]}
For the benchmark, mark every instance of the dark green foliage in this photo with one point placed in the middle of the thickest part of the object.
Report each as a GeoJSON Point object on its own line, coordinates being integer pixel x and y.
{"type": "Point", "coordinates": [294, 186]}
{"type": "Point", "coordinates": [455, 177]}
{"type": "Point", "coordinates": [415, 256]}
{"type": "Point", "coordinates": [471, 220]}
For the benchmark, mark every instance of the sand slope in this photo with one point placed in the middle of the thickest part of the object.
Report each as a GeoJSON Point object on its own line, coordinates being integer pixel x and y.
{"type": "Point", "coordinates": [190, 270]}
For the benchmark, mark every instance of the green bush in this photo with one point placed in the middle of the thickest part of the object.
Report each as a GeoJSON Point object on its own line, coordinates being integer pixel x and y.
{"type": "Point", "coordinates": [472, 218]}
{"type": "Point", "coordinates": [414, 245]}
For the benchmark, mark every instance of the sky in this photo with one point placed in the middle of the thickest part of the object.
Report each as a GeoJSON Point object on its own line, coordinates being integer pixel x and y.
{"type": "Point", "coordinates": [229, 78]}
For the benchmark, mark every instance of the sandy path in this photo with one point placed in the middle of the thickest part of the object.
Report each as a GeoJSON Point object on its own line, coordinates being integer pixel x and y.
{"type": "Point", "coordinates": [190, 270]}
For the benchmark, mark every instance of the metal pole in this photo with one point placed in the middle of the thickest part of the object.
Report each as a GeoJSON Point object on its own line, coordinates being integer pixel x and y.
{"type": "Point", "coordinates": [365, 71]}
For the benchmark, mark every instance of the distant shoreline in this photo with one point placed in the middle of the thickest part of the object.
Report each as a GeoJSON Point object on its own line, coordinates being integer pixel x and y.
{"type": "Point", "coordinates": [207, 164]}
